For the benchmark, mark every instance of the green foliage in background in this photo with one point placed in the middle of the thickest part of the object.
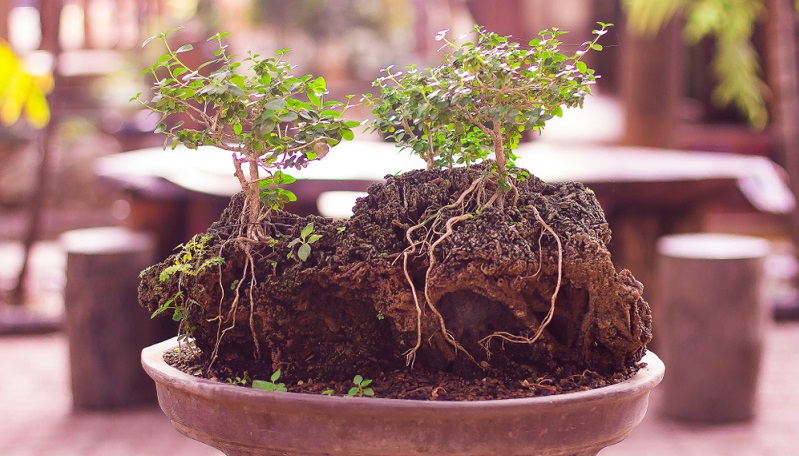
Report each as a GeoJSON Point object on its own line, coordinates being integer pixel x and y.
{"type": "Point", "coordinates": [731, 24]}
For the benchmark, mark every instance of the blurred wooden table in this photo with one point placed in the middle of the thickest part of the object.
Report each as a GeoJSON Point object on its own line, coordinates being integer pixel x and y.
{"type": "Point", "coordinates": [645, 193]}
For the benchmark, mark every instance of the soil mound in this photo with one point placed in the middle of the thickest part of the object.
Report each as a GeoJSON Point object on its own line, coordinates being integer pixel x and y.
{"type": "Point", "coordinates": [349, 309]}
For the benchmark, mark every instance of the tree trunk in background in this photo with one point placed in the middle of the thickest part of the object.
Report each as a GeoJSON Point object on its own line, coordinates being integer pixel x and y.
{"type": "Point", "coordinates": [5, 9]}
{"type": "Point", "coordinates": [50, 19]}
{"type": "Point", "coordinates": [651, 86]}
{"type": "Point", "coordinates": [784, 81]}
{"type": "Point", "coordinates": [504, 17]}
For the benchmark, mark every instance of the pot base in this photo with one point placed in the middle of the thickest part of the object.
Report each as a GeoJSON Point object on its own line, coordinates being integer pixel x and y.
{"type": "Point", "coordinates": [243, 421]}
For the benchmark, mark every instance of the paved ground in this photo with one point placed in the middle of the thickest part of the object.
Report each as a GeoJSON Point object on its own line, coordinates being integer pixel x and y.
{"type": "Point", "coordinates": [37, 420]}
{"type": "Point", "coordinates": [36, 417]}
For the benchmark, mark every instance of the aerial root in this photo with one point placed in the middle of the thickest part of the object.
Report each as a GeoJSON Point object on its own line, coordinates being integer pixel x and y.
{"type": "Point", "coordinates": [410, 355]}
{"type": "Point", "coordinates": [429, 244]}
{"type": "Point", "coordinates": [432, 260]}
{"type": "Point", "coordinates": [519, 339]}
{"type": "Point", "coordinates": [231, 315]}
{"type": "Point", "coordinates": [251, 262]}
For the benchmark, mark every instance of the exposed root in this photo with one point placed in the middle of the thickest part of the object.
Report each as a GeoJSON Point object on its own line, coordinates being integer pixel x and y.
{"type": "Point", "coordinates": [410, 355]}
{"type": "Point", "coordinates": [429, 244]}
{"type": "Point", "coordinates": [432, 260]}
{"type": "Point", "coordinates": [231, 315]}
{"type": "Point", "coordinates": [251, 263]}
{"type": "Point", "coordinates": [520, 339]}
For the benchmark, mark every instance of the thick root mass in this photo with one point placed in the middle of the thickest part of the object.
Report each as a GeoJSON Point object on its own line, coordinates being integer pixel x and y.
{"type": "Point", "coordinates": [350, 308]}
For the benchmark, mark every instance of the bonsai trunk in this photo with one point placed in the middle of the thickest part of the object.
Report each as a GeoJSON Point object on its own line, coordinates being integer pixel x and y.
{"type": "Point", "coordinates": [251, 190]}
{"type": "Point", "coordinates": [499, 150]}
{"type": "Point", "coordinates": [254, 202]}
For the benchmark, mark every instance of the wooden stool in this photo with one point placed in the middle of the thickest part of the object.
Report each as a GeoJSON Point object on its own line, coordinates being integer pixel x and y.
{"type": "Point", "coordinates": [709, 322]}
{"type": "Point", "coordinates": [105, 326]}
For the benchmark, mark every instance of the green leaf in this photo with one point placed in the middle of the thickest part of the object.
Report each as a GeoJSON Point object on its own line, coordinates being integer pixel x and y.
{"type": "Point", "coordinates": [263, 385]}
{"type": "Point", "coordinates": [347, 134]}
{"type": "Point", "coordinates": [297, 104]}
{"type": "Point", "coordinates": [285, 178]}
{"type": "Point", "coordinates": [163, 59]}
{"type": "Point", "coordinates": [147, 41]}
{"type": "Point", "coordinates": [319, 85]}
{"type": "Point", "coordinates": [237, 128]}
{"type": "Point", "coordinates": [307, 230]}
{"type": "Point", "coordinates": [313, 98]}
{"type": "Point", "coordinates": [276, 105]}
{"type": "Point", "coordinates": [290, 116]}
{"type": "Point", "coordinates": [275, 375]}
{"type": "Point", "coordinates": [331, 113]}
{"type": "Point", "coordinates": [184, 48]}
{"type": "Point", "coordinates": [357, 380]}
{"type": "Point", "coordinates": [304, 252]}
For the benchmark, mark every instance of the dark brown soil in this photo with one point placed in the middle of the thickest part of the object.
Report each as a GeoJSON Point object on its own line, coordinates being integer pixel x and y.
{"type": "Point", "coordinates": [349, 308]}
{"type": "Point", "coordinates": [420, 384]}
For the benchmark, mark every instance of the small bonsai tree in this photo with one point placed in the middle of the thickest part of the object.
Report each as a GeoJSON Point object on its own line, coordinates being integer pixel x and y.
{"type": "Point", "coordinates": [268, 118]}
{"type": "Point", "coordinates": [478, 101]}
{"type": "Point", "coordinates": [482, 97]}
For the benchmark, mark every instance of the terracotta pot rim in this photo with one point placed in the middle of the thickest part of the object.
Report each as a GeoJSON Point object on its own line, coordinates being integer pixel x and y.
{"type": "Point", "coordinates": [641, 383]}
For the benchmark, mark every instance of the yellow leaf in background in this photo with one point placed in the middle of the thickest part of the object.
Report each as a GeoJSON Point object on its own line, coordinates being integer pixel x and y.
{"type": "Point", "coordinates": [37, 111]}
{"type": "Point", "coordinates": [20, 90]}
{"type": "Point", "coordinates": [13, 98]}
{"type": "Point", "coordinates": [9, 67]}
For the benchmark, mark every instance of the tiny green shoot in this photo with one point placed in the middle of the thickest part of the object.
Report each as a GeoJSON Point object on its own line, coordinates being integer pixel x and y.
{"type": "Point", "coordinates": [270, 385]}
{"type": "Point", "coordinates": [361, 387]}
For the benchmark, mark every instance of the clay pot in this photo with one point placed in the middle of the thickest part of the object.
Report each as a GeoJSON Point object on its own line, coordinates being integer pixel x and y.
{"type": "Point", "coordinates": [243, 421]}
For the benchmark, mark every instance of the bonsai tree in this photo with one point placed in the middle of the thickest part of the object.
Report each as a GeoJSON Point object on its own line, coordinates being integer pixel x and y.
{"type": "Point", "coordinates": [270, 121]}
{"type": "Point", "coordinates": [479, 101]}
{"type": "Point", "coordinates": [268, 118]}
{"type": "Point", "coordinates": [433, 265]}
{"type": "Point", "coordinates": [482, 97]}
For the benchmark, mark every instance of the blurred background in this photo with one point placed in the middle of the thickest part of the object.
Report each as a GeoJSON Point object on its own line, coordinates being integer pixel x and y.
{"type": "Point", "coordinates": [693, 128]}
